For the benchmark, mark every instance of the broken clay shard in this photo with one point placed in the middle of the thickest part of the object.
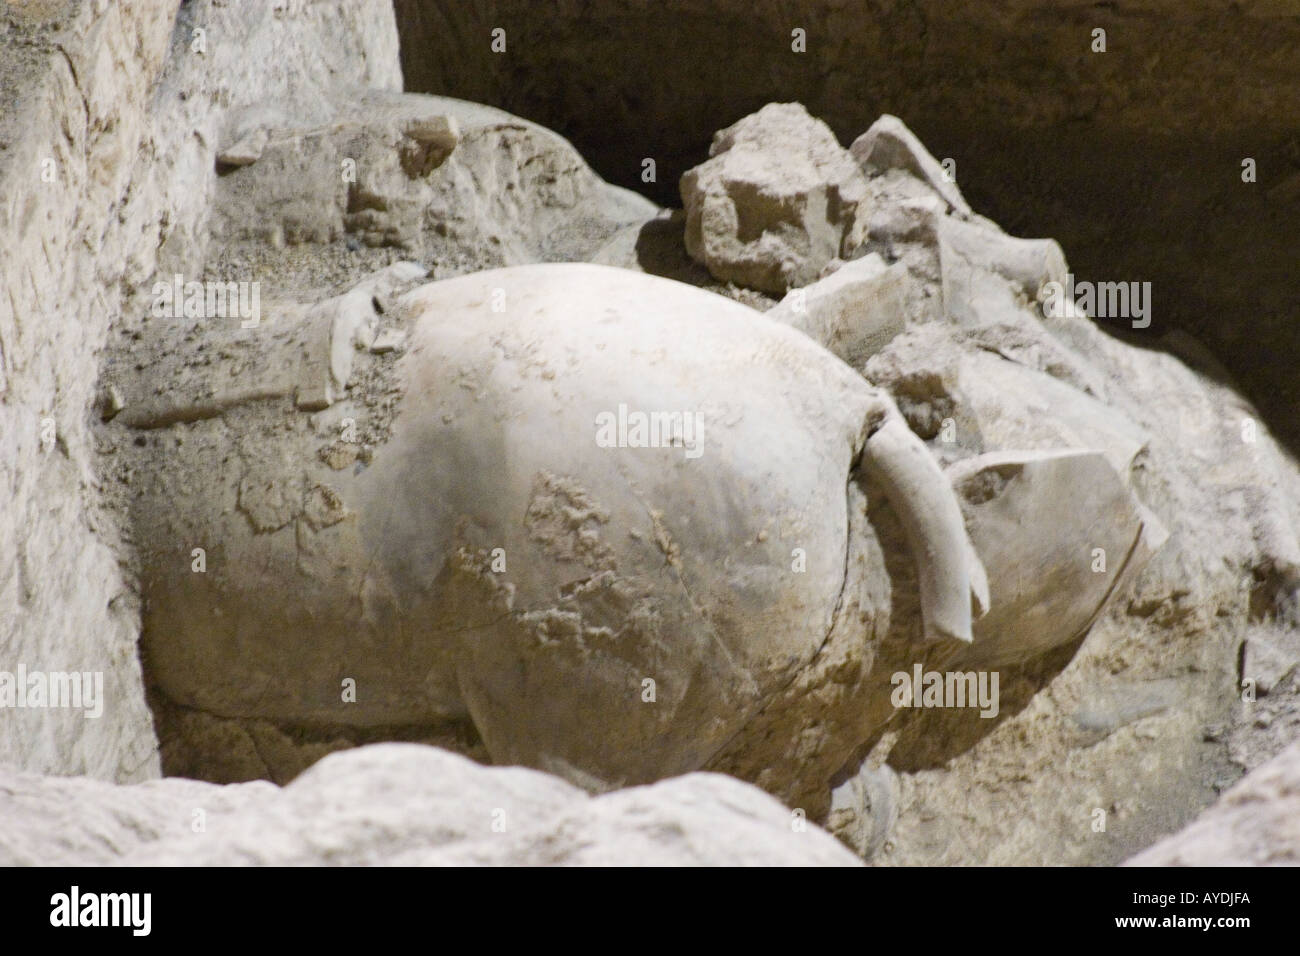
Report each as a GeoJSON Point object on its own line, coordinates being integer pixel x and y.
{"type": "Point", "coordinates": [1061, 533]}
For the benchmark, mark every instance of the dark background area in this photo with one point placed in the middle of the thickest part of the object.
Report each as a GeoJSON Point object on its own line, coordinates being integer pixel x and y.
{"type": "Point", "coordinates": [1131, 158]}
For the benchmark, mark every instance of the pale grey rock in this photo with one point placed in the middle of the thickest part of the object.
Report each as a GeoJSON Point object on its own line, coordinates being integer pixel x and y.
{"type": "Point", "coordinates": [1271, 656]}
{"type": "Point", "coordinates": [656, 245]}
{"type": "Point", "coordinates": [1028, 264]}
{"type": "Point", "coordinates": [402, 805]}
{"type": "Point", "coordinates": [775, 202]}
{"type": "Point", "coordinates": [264, 65]}
{"type": "Point", "coordinates": [441, 179]}
{"type": "Point", "coordinates": [388, 340]}
{"type": "Point", "coordinates": [131, 115]}
{"type": "Point", "coordinates": [514, 192]}
{"type": "Point", "coordinates": [1264, 727]}
{"type": "Point", "coordinates": [354, 164]}
{"type": "Point", "coordinates": [1255, 823]}
{"type": "Point", "coordinates": [978, 274]}
{"type": "Point", "coordinates": [853, 312]}
{"type": "Point", "coordinates": [77, 98]}
{"type": "Point", "coordinates": [987, 275]}
{"type": "Point", "coordinates": [246, 150]}
{"type": "Point", "coordinates": [981, 275]}
{"type": "Point", "coordinates": [889, 144]}
{"type": "Point", "coordinates": [439, 131]}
